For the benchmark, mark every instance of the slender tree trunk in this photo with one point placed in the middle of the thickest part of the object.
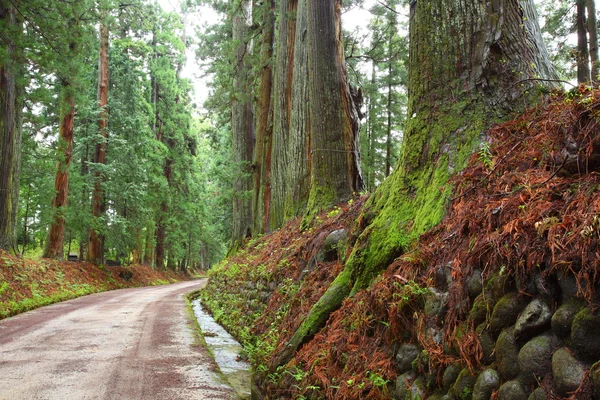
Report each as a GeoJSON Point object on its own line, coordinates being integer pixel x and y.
{"type": "Point", "coordinates": [593, 35]}
{"type": "Point", "coordinates": [26, 220]}
{"type": "Point", "coordinates": [388, 133]}
{"type": "Point", "coordinates": [264, 123]}
{"type": "Point", "coordinates": [149, 247]}
{"type": "Point", "coordinates": [242, 129]}
{"type": "Point", "coordinates": [96, 241]}
{"type": "Point", "coordinates": [371, 130]}
{"type": "Point", "coordinates": [335, 171]}
{"type": "Point", "coordinates": [8, 100]}
{"type": "Point", "coordinates": [161, 223]}
{"type": "Point", "coordinates": [54, 241]}
{"type": "Point", "coordinates": [583, 55]}
{"type": "Point", "coordinates": [83, 238]}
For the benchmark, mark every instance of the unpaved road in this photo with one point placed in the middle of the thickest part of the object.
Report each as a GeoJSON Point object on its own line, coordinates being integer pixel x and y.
{"type": "Point", "coordinates": [124, 344]}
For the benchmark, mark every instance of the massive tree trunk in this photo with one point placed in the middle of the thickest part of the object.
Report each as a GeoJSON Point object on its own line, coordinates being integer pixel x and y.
{"type": "Point", "coordinates": [592, 25]}
{"type": "Point", "coordinates": [334, 123]}
{"type": "Point", "coordinates": [96, 241]}
{"type": "Point", "coordinates": [264, 127]}
{"type": "Point", "coordinates": [469, 67]}
{"type": "Point", "coordinates": [8, 127]}
{"type": "Point", "coordinates": [242, 128]}
{"type": "Point", "coordinates": [583, 55]}
{"type": "Point", "coordinates": [54, 241]}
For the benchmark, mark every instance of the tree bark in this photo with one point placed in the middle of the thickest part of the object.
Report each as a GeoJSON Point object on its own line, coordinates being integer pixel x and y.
{"type": "Point", "coordinates": [96, 240]}
{"type": "Point", "coordinates": [282, 106]}
{"type": "Point", "coordinates": [583, 55]}
{"type": "Point", "coordinates": [8, 99]}
{"type": "Point", "coordinates": [334, 157]}
{"type": "Point", "coordinates": [54, 241]}
{"type": "Point", "coordinates": [264, 123]}
{"type": "Point", "coordinates": [242, 129]}
{"type": "Point", "coordinates": [592, 25]}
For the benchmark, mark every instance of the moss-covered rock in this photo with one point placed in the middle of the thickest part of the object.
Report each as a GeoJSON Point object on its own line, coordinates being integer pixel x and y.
{"type": "Point", "coordinates": [534, 319]}
{"type": "Point", "coordinates": [482, 306]}
{"type": "Point", "coordinates": [487, 382]}
{"type": "Point", "coordinates": [567, 371]}
{"type": "Point", "coordinates": [535, 358]}
{"type": "Point", "coordinates": [450, 374]}
{"type": "Point", "coordinates": [463, 387]}
{"type": "Point", "coordinates": [563, 318]}
{"type": "Point", "coordinates": [506, 311]}
{"type": "Point", "coordinates": [403, 384]}
{"type": "Point", "coordinates": [488, 347]}
{"type": "Point", "coordinates": [507, 352]}
{"type": "Point", "coordinates": [405, 357]}
{"type": "Point", "coordinates": [475, 284]}
{"type": "Point", "coordinates": [538, 394]}
{"type": "Point", "coordinates": [585, 335]}
{"type": "Point", "coordinates": [512, 390]}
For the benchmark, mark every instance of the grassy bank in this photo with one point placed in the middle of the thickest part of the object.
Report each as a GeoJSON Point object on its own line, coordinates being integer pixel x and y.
{"type": "Point", "coordinates": [26, 284]}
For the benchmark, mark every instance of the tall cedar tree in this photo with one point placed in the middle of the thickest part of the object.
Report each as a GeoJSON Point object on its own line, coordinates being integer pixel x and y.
{"type": "Point", "coordinates": [96, 237]}
{"type": "Point", "coordinates": [8, 123]}
{"type": "Point", "coordinates": [242, 125]}
{"type": "Point", "coordinates": [460, 82]}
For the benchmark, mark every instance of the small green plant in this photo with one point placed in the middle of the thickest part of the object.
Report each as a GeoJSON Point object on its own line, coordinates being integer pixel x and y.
{"type": "Point", "coordinates": [376, 379]}
{"type": "Point", "coordinates": [485, 155]}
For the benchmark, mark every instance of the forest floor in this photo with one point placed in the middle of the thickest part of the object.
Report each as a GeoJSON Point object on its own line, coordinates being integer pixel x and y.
{"type": "Point", "coordinates": [522, 231]}
{"type": "Point", "coordinates": [26, 284]}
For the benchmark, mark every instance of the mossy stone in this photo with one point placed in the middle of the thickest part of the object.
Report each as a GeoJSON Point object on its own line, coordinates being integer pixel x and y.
{"type": "Point", "coordinates": [534, 319]}
{"type": "Point", "coordinates": [475, 284]}
{"type": "Point", "coordinates": [512, 390]}
{"type": "Point", "coordinates": [499, 285]}
{"type": "Point", "coordinates": [487, 346]}
{"type": "Point", "coordinates": [585, 335]}
{"type": "Point", "coordinates": [538, 394]}
{"type": "Point", "coordinates": [450, 375]}
{"type": "Point", "coordinates": [463, 387]}
{"type": "Point", "coordinates": [479, 310]}
{"type": "Point", "coordinates": [405, 357]}
{"type": "Point", "coordinates": [487, 382]}
{"type": "Point", "coordinates": [417, 389]}
{"type": "Point", "coordinates": [403, 384]}
{"type": "Point", "coordinates": [567, 371]}
{"type": "Point", "coordinates": [506, 311]}
{"type": "Point", "coordinates": [436, 303]}
{"type": "Point", "coordinates": [535, 358]}
{"type": "Point", "coordinates": [507, 352]}
{"type": "Point", "coordinates": [563, 318]}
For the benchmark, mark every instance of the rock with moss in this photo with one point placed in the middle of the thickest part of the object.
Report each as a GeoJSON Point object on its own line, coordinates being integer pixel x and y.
{"type": "Point", "coordinates": [507, 352]}
{"type": "Point", "coordinates": [534, 319]}
{"type": "Point", "coordinates": [488, 347]}
{"type": "Point", "coordinates": [563, 318]}
{"type": "Point", "coordinates": [479, 311]}
{"type": "Point", "coordinates": [474, 284]}
{"type": "Point", "coordinates": [417, 389]}
{"type": "Point", "coordinates": [436, 303]}
{"type": "Point", "coordinates": [538, 394]}
{"type": "Point", "coordinates": [567, 371]}
{"type": "Point", "coordinates": [450, 375]}
{"type": "Point", "coordinates": [535, 358]}
{"type": "Point", "coordinates": [403, 384]}
{"type": "Point", "coordinates": [585, 335]}
{"type": "Point", "coordinates": [406, 355]}
{"type": "Point", "coordinates": [512, 390]}
{"type": "Point", "coordinates": [487, 382]}
{"type": "Point", "coordinates": [334, 242]}
{"type": "Point", "coordinates": [463, 387]}
{"type": "Point", "coordinates": [506, 311]}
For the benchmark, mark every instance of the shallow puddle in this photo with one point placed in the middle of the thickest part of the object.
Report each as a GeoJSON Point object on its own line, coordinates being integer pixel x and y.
{"type": "Point", "coordinates": [225, 350]}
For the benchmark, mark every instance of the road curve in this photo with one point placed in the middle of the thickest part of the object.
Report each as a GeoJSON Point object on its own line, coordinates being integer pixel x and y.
{"type": "Point", "coordinates": [123, 344]}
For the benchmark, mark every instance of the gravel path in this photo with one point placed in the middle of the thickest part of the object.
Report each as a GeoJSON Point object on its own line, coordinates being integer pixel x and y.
{"type": "Point", "coordinates": [123, 344]}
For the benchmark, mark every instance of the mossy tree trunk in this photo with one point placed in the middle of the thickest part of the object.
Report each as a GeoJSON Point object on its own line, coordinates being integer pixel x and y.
{"type": "Point", "coordinates": [242, 127]}
{"type": "Point", "coordinates": [334, 123]}
{"type": "Point", "coordinates": [583, 54]}
{"type": "Point", "coordinates": [471, 64]}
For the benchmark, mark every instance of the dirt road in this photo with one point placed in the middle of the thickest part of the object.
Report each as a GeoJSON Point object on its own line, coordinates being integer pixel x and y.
{"type": "Point", "coordinates": [124, 344]}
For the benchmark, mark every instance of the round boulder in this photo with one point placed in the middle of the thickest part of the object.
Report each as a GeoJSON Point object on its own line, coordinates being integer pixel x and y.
{"type": "Point", "coordinates": [535, 358]}
{"type": "Point", "coordinates": [512, 390]}
{"type": "Point", "coordinates": [585, 335]}
{"type": "Point", "coordinates": [405, 357]}
{"type": "Point", "coordinates": [534, 319]}
{"type": "Point", "coordinates": [486, 383]}
{"type": "Point", "coordinates": [563, 318]}
{"type": "Point", "coordinates": [568, 373]}
{"type": "Point", "coordinates": [507, 354]}
{"type": "Point", "coordinates": [506, 311]}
